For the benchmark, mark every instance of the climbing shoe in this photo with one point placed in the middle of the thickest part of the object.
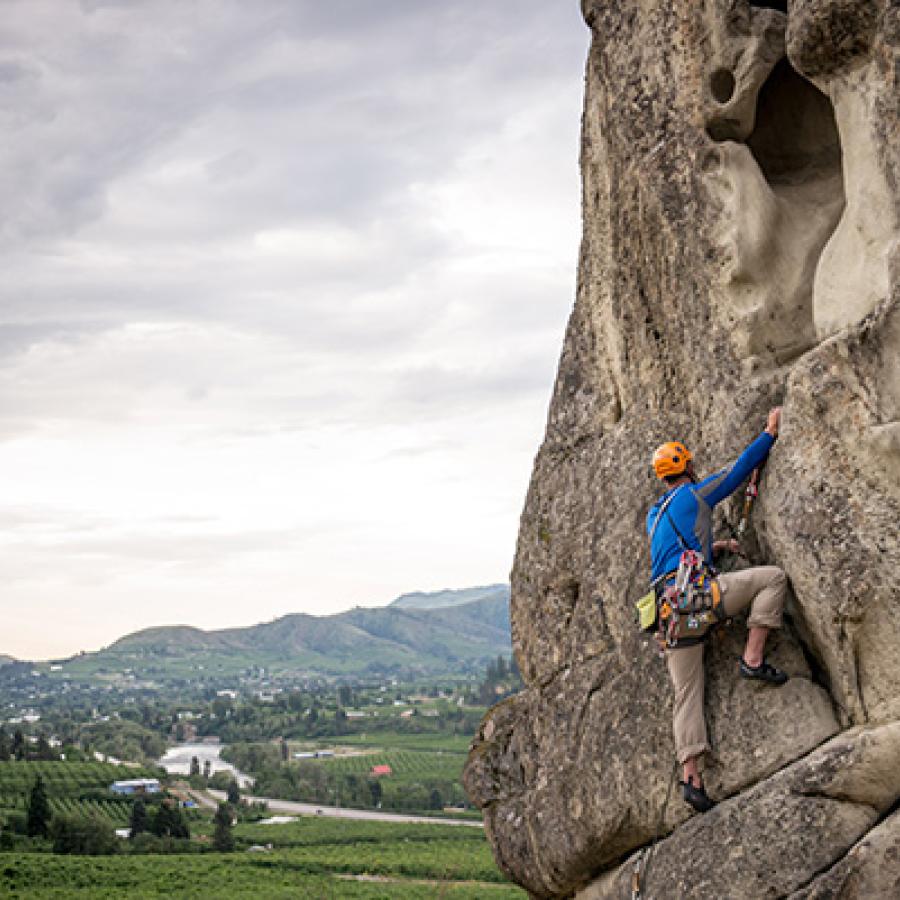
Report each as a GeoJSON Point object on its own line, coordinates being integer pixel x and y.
{"type": "Point", "coordinates": [763, 672]}
{"type": "Point", "coordinates": [696, 796]}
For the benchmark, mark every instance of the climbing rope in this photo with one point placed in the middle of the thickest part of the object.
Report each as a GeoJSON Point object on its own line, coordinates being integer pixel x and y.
{"type": "Point", "coordinates": [644, 858]}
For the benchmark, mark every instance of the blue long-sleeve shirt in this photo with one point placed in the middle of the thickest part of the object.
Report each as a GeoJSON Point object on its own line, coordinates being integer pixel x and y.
{"type": "Point", "coordinates": [691, 509]}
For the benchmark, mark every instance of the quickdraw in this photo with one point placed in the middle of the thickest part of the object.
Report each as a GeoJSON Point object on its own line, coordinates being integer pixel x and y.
{"type": "Point", "coordinates": [750, 495]}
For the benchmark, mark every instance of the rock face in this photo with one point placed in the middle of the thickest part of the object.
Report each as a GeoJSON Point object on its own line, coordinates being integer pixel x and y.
{"type": "Point", "coordinates": [740, 165]}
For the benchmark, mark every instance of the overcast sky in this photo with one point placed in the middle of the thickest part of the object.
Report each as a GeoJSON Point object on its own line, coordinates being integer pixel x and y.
{"type": "Point", "coordinates": [284, 288]}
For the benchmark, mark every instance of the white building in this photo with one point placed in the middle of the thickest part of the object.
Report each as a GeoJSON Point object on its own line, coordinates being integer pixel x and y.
{"type": "Point", "coordinates": [136, 786]}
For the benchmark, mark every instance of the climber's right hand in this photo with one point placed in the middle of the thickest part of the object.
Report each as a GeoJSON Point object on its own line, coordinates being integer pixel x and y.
{"type": "Point", "coordinates": [774, 421]}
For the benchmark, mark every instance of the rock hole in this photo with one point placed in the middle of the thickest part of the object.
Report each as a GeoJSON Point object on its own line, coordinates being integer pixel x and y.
{"type": "Point", "coordinates": [795, 138]}
{"type": "Point", "coordinates": [796, 144]}
{"type": "Point", "coordinates": [792, 201]}
{"type": "Point", "coordinates": [722, 85]}
{"type": "Point", "coordinates": [780, 5]}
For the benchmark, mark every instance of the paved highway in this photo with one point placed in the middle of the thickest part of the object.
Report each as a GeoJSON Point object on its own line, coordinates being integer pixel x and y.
{"type": "Point", "coordinates": [341, 812]}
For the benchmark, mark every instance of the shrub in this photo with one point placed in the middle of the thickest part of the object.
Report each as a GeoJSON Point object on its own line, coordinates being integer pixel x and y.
{"type": "Point", "coordinates": [150, 843]}
{"type": "Point", "coordinates": [83, 836]}
{"type": "Point", "coordinates": [220, 780]}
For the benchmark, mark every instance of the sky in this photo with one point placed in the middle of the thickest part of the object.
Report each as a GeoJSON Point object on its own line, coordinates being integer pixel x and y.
{"type": "Point", "coordinates": [284, 290]}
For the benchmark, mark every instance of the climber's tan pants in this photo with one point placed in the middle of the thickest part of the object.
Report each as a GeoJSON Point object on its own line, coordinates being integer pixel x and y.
{"type": "Point", "coordinates": [763, 588]}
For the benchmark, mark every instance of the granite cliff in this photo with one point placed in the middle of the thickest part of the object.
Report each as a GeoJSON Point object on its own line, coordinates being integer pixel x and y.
{"type": "Point", "coordinates": [740, 166]}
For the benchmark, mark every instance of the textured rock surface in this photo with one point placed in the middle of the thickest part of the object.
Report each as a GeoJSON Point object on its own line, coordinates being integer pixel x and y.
{"type": "Point", "coordinates": [741, 206]}
{"type": "Point", "coordinates": [775, 838]}
{"type": "Point", "coordinates": [870, 871]}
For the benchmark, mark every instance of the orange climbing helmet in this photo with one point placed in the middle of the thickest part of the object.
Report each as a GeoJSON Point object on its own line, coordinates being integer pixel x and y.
{"type": "Point", "coordinates": [671, 459]}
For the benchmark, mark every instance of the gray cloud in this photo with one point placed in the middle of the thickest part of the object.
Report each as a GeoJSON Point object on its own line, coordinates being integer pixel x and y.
{"type": "Point", "coordinates": [231, 225]}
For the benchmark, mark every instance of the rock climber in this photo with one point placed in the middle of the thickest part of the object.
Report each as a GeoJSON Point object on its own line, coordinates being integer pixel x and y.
{"type": "Point", "coordinates": [686, 519]}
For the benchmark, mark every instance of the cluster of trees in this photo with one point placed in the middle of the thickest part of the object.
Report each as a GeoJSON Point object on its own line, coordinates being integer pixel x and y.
{"type": "Point", "coordinates": [124, 738]}
{"type": "Point", "coordinates": [165, 820]}
{"type": "Point", "coordinates": [501, 679]}
{"type": "Point", "coordinates": [159, 827]}
{"type": "Point", "coordinates": [138, 727]}
{"type": "Point", "coordinates": [16, 746]}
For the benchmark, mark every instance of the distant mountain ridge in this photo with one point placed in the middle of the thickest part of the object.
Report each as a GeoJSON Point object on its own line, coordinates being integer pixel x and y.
{"type": "Point", "coordinates": [420, 632]}
{"type": "Point", "coordinates": [447, 597]}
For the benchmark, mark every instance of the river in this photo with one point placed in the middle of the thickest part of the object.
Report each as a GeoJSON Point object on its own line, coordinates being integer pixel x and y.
{"type": "Point", "coordinates": [177, 761]}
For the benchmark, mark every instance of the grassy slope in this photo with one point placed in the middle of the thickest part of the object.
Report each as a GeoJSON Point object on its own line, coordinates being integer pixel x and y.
{"type": "Point", "coordinates": [354, 641]}
{"type": "Point", "coordinates": [314, 857]}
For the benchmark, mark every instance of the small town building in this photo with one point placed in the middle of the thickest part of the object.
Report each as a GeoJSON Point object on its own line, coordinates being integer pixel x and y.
{"type": "Point", "coordinates": [379, 771]}
{"type": "Point", "coordinates": [135, 786]}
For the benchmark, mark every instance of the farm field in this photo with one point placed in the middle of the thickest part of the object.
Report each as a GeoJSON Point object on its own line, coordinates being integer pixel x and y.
{"type": "Point", "coordinates": [65, 784]}
{"type": "Point", "coordinates": [62, 778]}
{"type": "Point", "coordinates": [406, 765]}
{"type": "Point", "coordinates": [310, 858]}
{"type": "Point", "coordinates": [436, 742]}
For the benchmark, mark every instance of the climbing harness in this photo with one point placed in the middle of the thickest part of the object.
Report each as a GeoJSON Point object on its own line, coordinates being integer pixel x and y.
{"type": "Point", "coordinates": [643, 859]}
{"type": "Point", "coordinates": [682, 606]}
{"type": "Point", "coordinates": [690, 605]}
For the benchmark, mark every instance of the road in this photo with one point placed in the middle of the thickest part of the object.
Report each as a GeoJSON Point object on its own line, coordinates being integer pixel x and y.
{"type": "Point", "coordinates": [340, 812]}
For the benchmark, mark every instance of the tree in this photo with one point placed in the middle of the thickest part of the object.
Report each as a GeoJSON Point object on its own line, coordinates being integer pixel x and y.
{"type": "Point", "coordinates": [285, 751]}
{"type": "Point", "coordinates": [345, 695]}
{"type": "Point", "coordinates": [38, 817]}
{"type": "Point", "coordinates": [435, 800]}
{"type": "Point", "coordinates": [170, 822]}
{"type": "Point", "coordinates": [223, 839]}
{"type": "Point", "coordinates": [5, 746]}
{"type": "Point", "coordinates": [195, 765]}
{"type": "Point", "coordinates": [207, 767]}
{"type": "Point", "coordinates": [18, 744]}
{"type": "Point", "coordinates": [375, 788]}
{"type": "Point", "coordinates": [44, 750]}
{"type": "Point", "coordinates": [85, 836]}
{"type": "Point", "coordinates": [234, 793]}
{"type": "Point", "coordinates": [140, 820]}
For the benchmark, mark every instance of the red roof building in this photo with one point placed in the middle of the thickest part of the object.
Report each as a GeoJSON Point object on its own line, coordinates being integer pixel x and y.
{"type": "Point", "coordinates": [382, 770]}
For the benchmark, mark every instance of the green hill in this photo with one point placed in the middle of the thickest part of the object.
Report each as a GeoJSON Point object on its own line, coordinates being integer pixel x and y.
{"type": "Point", "coordinates": [392, 639]}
